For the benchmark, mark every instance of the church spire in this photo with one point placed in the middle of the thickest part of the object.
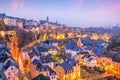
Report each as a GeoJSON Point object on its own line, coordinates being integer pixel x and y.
{"type": "Point", "coordinates": [79, 43]}
{"type": "Point", "coordinates": [47, 19]}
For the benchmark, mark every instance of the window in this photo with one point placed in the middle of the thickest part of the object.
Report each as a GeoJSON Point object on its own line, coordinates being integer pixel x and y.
{"type": "Point", "coordinates": [8, 73]}
{"type": "Point", "coordinates": [8, 77]}
{"type": "Point", "coordinates": [12, 68]}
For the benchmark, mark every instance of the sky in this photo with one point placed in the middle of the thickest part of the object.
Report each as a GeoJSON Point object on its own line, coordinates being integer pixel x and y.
{"type": "Point", "coordinates": [82, 13]}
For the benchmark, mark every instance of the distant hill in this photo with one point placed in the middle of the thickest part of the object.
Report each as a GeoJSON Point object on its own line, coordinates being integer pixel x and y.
{"type": "Point", "coordinates": [114, 29]}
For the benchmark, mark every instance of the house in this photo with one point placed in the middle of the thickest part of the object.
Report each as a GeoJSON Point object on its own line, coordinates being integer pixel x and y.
{"type": "Point", "coordinates": [19, 23]}
{"type": "Point", "coordinates": [99, 50]}
{"type": "Point", "coordinates": [8, 66]}
{"type": "Point", "coordinates": [2, 16]}
{"type": "Point", "coordinates": [4, 49]}
{"type": "Point", "coordinates": [52, 50]}
{"type": "Point", "coordinates": [29, 23]}
{"type": "Point", "coordinates": [37, 68]}
{"type": "Point", "coordinates": [11, 71]}
{"type": "Point", "coordinates": [2, 75]}
{"type": "Point", "coordinates": [52, 42]}
{"type": "Point", "coordinates": [43, 51]}
{"type": "Point", "coordinates": [105, 45]}
{"type": "Point", "coordinates": [75, 51]}
{"type": "Point", "coordinates": [68, 70]}
{"type": "Point", "coordinates": [72, 49]}
{"type": "Point", "coordinates": [89, 60]}
{"type": "Point", "coordinates": [10, 21]}
{"type": "Point", "coordinates": [33, 55]}
{"type": "Point", "coordinates": [69, 46]}
{"type": "Point", "coordinates": [47, 60]}
{"type": "Point", "coordinates": [80, 57]}
{"type": "Point", "coordinates": [46, 48]}
{"type": "Point", "coordinates": [60, 36]}
{"type": "Point", "coordinates": [25, 53]}
{"type": "Point", "coordinates": [114, 56]}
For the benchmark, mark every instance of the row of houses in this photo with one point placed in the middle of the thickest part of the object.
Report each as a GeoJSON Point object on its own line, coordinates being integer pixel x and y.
{"type": "Point", "coordinates": [9, 69]}
{"type": "Point", "coordinates": [18, 22]}
{"type": "Point", "coordinates": [86, 50]}
{"type": "Point", "coordinates": [41, 49]}
{"type": "Point", "coordinates": [27, 24]}
{"type": "Point", "coordinates": [12, 21]}
{"type": "Point", "coordinates": [41, 62]}
{"type": "Point", "coordinates": [68, 68]}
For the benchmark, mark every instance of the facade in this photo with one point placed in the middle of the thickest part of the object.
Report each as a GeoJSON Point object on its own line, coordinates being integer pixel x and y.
{"type": "Point", "coordinates": [25, 54]}
{"type": "Point", "coordinates": [52, 50]}
{"type": "Point", "coordinates": [68, 70]}
{"type": "Point", "coordinates": [19, 24]}
{"type": "Point", "coordinates": [47, 60]}
{"type": "Point", "coordinates": [12, 73]}
{"type": "Point", "coordinates": [89, 60]}
{"type": "Point", "coordinates": [8, 67]}
{"type": "Point", "coordinates": [10, 21]}
{"type": "Point", "coordinates": [37, 68]}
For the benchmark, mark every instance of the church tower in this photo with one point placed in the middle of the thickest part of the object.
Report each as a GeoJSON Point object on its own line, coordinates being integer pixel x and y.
{"type": "Point", "coordinates": [79, 43]}
{"type": "Point", "coordinates": [47, 19]}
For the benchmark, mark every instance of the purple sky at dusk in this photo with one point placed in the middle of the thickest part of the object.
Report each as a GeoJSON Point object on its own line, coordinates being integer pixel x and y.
{"type": "Point", "coordinates": [83, 13]}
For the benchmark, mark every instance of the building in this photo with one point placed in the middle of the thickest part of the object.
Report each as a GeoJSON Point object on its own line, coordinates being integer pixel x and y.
{"type": "Point", "coordinates": [69, 46]}
{"type": "Point", "coordinates": [80, 57]}
{"type": "Point", "coordinates": [38, 68]}
{"type": "Point", "coordinates": [68, 70]}
{"type": "Point", "coordinates": [19, 23]}
{"type": "Point", "coordinates": [11, 71]}
{"type": "Point", "coordinates": [89, 61]}
{"type": "Point", "coordinates": [8, 67]}
{"type": "Point", "coordinates": [25, 53]}
{"type": "Point", "coordinates": [10, 21]}
{"type": "Point", "coordinates": [33, 55]}
{"type": "Point", "coordinates": [72, 49]}
{"type": "Point", "coordinates": [31, 23]}
{"type": "Point", "coordinates": [52, 50]}
{"type": "Point", "coordinates": [47, 60]}
{"type": "Point", "coordinates": [52, 42]}
{"type": "Point", "coordinates": [2, 16]}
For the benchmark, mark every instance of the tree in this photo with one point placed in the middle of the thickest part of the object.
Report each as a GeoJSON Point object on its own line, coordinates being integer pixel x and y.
{"type": "Point", "coordinates": [25, 37]}
{"type": "Point", "coordinates": [41, 77]}
{"type": "Point", "coordinates": [2, 26]}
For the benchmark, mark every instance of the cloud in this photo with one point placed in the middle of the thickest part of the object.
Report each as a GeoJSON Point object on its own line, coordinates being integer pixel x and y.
{"type": "Point", "coordinates": [17, 4]}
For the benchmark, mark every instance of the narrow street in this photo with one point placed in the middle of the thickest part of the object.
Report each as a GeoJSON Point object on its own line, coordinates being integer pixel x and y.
{"type": "Point", "coordinates": [21, 68]}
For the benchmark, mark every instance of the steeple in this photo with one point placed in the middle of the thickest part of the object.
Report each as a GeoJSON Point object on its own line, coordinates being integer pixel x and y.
{"type": "Point", "coordinates": [47, 19]}
{"type": "Point", "coordinates": [79, 43]}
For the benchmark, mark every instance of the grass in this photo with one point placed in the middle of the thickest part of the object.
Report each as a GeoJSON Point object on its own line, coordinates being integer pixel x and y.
{"type": "Point", "coordinates": [57, 58]}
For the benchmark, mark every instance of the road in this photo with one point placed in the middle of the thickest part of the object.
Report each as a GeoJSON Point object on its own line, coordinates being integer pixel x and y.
{"type": "Point", "coordinates": [21, 68]}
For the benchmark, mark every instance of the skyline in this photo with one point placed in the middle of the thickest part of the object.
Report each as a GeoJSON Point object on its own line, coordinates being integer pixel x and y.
{"type": "Point", "coordinates": [82, 13]}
